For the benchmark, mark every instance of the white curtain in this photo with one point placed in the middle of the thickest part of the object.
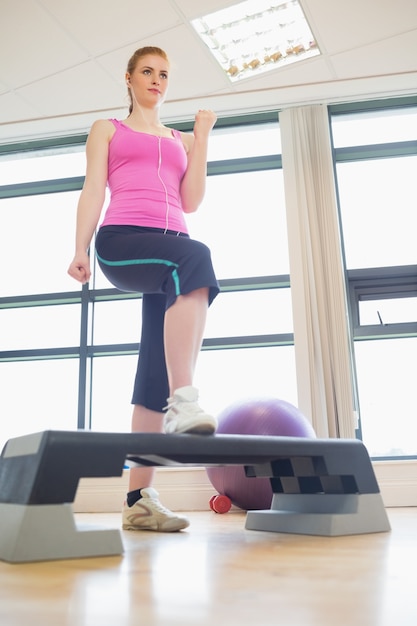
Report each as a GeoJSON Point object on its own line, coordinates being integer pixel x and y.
{"type": "Point", "coordinates": [321, 328]}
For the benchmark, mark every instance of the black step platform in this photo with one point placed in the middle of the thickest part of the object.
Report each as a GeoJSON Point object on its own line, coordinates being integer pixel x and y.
{"type": "Point", "coordinates": [320, 486]}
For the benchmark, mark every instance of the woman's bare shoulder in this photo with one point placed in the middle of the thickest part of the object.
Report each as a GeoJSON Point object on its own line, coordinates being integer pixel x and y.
{"type": "Point", "coordinates": [103, 127]}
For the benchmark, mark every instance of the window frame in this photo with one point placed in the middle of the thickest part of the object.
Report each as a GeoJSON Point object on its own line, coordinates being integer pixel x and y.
{"type": "Point", "coordinates": [86, 351]}
{"type": "Point", "coordinates": [373, 283]}
{"type": "Point", "coordinates": [380, 282]}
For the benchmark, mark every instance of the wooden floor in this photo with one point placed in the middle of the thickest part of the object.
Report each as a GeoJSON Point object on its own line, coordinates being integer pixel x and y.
{"type": "Point", "coordinates": [218, 573]}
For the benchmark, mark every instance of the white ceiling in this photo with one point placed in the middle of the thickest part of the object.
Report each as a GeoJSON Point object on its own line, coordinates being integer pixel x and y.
{"type": "Point", "coordinates": [63, 61]}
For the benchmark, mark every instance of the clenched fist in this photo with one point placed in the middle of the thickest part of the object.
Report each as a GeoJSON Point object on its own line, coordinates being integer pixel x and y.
{"type": "Point", "coordinates": [204, 122]}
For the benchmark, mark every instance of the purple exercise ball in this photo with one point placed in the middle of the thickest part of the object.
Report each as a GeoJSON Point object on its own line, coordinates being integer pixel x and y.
{"type": "Point", "coordinates": [263, 416]}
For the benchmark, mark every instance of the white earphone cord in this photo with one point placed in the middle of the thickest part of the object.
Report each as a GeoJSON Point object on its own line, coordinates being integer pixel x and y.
{"type": "Point", "coordinates": [159, 162]}
{"type": "Point", "coordinates": [163, 185]}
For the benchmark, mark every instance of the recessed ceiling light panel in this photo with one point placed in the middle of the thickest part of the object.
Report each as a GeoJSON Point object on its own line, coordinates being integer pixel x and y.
{"type": "Point", "coordinates": [256, 36]}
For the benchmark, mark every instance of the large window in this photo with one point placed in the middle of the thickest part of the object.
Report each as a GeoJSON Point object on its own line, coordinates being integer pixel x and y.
{"type": "Point", "coordinates": [68, 354]}
{"type": "Point", "coordinates": [376, 165]}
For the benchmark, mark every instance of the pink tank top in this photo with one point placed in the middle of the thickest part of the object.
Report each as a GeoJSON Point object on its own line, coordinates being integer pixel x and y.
{"type": "Point", "coordinates": [144, 178]}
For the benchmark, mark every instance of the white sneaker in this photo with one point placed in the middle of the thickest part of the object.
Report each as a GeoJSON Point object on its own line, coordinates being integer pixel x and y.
{"type": "Point", "coordinates": [149, 514]}
{"type": "Point", "coordinates": [185, 416]}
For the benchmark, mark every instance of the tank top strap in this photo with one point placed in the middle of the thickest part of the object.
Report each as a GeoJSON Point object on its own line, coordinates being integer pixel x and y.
{"type": "Point", "coordinates": [176, 133]}
{"type": "Point", "coordinates": [116, 123]}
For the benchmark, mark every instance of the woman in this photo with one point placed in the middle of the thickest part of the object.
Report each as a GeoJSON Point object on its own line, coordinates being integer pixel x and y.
{"type": "Point", "coordinates": [155, 174]}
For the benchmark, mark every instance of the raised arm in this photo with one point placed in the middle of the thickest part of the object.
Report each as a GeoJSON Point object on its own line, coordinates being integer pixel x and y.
{"type": "Point", "coordinates": [92, 197]}
{"type": "Point", "coordinates": [193, 184]}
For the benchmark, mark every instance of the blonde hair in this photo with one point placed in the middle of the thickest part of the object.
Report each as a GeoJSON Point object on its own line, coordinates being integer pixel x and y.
{"type": "Point", "coordinates": [134, 59]}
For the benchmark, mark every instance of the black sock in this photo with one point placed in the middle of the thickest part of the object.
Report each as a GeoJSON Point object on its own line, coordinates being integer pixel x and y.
{"type": "Point", "coordinates": [133, 496]}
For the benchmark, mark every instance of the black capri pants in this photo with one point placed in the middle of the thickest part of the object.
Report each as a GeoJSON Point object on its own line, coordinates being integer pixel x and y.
{"type": "Point", "coordinates": [160, 265]}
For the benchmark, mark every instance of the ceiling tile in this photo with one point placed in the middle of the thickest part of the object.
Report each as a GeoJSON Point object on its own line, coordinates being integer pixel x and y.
{"type": "Point", "coordinates": [84, 88]}
{"type": "Point", "coordinates": [33, 44]}
{"type": "Point", "coordinates": [398, 54]}
{"type": "Point", "coordinates": [340, 26]}
{"type": "Point", "coordinates": [103, 26]}
{"type": "Point", "coordinates": [197, 8]}
{"type": "Point", "coordinates": [13, 108]}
